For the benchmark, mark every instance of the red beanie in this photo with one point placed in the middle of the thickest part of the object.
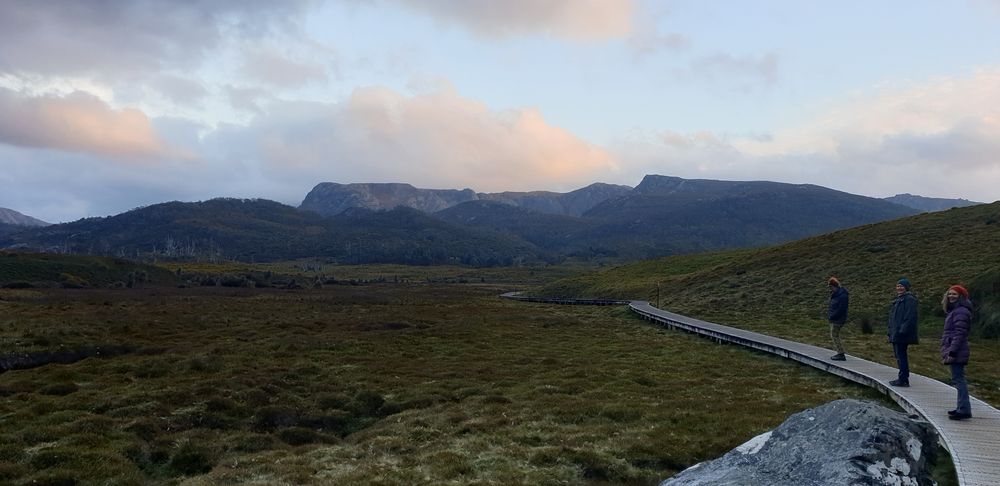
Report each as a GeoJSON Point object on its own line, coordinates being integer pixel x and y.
{"type": "Point", "coordinates": [961, 290]}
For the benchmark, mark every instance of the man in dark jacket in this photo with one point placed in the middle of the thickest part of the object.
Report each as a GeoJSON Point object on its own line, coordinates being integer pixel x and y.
{"type": "Point", "coordinates": [838, 316]}
{"type": "Point", "coordinates": [903, 329]}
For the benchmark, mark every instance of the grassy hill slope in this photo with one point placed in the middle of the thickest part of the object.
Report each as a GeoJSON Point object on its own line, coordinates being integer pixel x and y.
{"type": "Point", "coordinates": [17, 269]}
{"type": "Point", "coordinates": [782, 290]}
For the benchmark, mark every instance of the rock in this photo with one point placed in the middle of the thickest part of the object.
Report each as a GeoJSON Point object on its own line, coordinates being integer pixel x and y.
{"type": "Point", "coordinates": [842, 442]}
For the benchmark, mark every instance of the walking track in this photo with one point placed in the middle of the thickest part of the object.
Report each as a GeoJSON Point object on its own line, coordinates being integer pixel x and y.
{"type": "Point", "coordinates": [974, 444]}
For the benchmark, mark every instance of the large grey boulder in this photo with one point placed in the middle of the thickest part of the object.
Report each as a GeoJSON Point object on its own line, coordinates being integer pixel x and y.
{"type": "Point", "coordinates": [844, 442]}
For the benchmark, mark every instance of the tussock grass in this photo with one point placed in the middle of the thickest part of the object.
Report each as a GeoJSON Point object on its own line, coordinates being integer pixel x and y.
{"type": "Point", "coordinates": [377, 384]}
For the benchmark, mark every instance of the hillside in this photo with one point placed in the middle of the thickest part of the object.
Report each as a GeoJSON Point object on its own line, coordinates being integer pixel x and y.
{"type": "Point", "coordinates": [788, 281]}
{"type": "Point", "coordinates": [261, 230]}
{"type": "Point", "coordinates": [573, 203]}
{"type": "Point", "coordinates": [670, 215]}
{"type": "Point", "coordinates": [9, 229]}
{"type": "Point", "coordinates": [36, 269]}
{"type": "Point", "coordinates": [550, 231]}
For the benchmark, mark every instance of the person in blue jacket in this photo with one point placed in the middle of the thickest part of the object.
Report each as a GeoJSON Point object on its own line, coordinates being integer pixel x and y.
{"type": "Point", "coordinates": [838, 316]}
{"type": "Point", "coordinates": [903, 329]}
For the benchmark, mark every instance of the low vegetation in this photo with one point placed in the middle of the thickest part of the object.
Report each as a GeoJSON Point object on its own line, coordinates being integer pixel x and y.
{"type": "Point", "coordinates": [372, 384]}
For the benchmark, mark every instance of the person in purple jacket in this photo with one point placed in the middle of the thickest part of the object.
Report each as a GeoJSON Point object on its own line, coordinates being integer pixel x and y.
{"type": "Point", "coordinates": [955, 345]}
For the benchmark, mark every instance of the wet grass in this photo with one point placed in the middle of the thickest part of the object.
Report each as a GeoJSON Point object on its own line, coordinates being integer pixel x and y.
{"type": "Point", "coordinates": [373, 384]}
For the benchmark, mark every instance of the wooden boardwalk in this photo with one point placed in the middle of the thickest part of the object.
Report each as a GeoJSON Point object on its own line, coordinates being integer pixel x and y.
{"type": "Point", "coordinates": [974, 444]}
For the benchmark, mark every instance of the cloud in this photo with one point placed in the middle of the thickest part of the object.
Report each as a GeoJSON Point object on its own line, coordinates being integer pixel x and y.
{"type": "Point", "coordinates": [279, 71]}
{"type": "Point", "coordinates": [436, 139]}
{"type": "Point", "coordinates": [569, 19]}
{"type": "Point", "coordinates": [649, 44]}
{"type": "Point", "coordinates": [111, 38]}
{"type": "Point", "coordinates": [247, 98]}
{"type": "Point", "coordinates": [935, 138]}
{"type": "Point", "coordinates": [78, 122]}
{"type": "Point", "coordinates": [180, 90]}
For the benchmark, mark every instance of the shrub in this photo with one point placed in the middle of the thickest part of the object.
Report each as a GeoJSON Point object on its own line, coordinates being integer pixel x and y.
{"type": "Point", "coordinates": [59, 389]}
{"type": "Point", "coordinates": [146, 428]}
{"type": "Point", "coordinates": [298, 436]}
{"type": "Point", "coordinates": [18, 285]}
{"type": "Point", "coordinates": [190, 459]}
{"type": "Point", "coordinates": [367, 403]}
{"type": "Point", "coordinates": [337, 422]}
{"type": "Point", "coordinates": [234, 281]}
{"type": "Point", "coordinates": [328, 401]}
{"type": "Point", "coordinates": [56, 477]}
{"type": "Point", "coordinates": [272, 417]}
{"type": "Point", "coordinates": [70, 281]}
{"type": "Point", "coordinates": [253, 442]}
{"type": "Point", "coordinates": [10, 470]}
{"type": "Point", "coordinates": [865, 323]}
{"type": "Point", "coordinates": [985, 293]}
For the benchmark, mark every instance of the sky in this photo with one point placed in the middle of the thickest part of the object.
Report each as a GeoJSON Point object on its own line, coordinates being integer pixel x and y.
{"type": "Point", "coordinates": [109, 105]}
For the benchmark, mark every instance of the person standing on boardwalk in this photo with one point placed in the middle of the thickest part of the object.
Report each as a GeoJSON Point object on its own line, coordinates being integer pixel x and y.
{"type": "Point", "coordinates": [955, 345]}
{"type": "Point", "coordinates": [838, 316]}
{"type": "Point", "coordinates": [903, 329]}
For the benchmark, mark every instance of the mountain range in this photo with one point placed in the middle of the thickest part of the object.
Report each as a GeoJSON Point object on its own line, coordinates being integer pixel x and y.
{"type": "Point", "coordinates": [398, 223]}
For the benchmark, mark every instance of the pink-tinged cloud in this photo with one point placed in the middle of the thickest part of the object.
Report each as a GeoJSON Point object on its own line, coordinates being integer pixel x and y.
{"type": "Point", "coordinates": [437, 139]}
{"type": "Point", "coordinates": [570, 19]}
{"type": "Point", "coordinates": [78, 122]}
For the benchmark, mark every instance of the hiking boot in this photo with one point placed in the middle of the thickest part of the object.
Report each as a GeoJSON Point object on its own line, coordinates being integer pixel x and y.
{"type": "Point", "coordinates": [960, 416]}
{"type": "Point", "coordinates": [899, 383]}
{"type": "Point", "coordinates": [838, 357]}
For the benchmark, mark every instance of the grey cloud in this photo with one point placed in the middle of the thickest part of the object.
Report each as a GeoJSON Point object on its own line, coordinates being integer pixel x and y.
{"type": "Point", "coordinates": [279, 71]}
{"type": "Point", "coordinates": [572, 19]}
{"type": "Point", "coordinates": [644, 45]}
{"type": "Point", "coordinates": [180, 90]}
{"type": "Point", "coordinates": [966, 146]}
{"type": "Point", "coordinates": [247, 98]}
{"type": "Point", "coordinates": [113, 37]}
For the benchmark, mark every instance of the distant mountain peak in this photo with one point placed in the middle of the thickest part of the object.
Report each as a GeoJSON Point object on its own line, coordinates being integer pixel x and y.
{"type": "Point", "coordinates": [929, 204]}
{"type": "Point", "coordinates": [9, 216]}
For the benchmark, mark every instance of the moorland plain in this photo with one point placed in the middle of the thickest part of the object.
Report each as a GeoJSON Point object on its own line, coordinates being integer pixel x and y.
{"type": "Point", "coordinates": [384, 383]}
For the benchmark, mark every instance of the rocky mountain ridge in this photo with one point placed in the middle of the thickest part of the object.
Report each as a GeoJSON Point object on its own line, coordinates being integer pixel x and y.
{"type": "Point", "coordinates": [929, 204]}
{"type": "Point", "coordinates": [330, 198]}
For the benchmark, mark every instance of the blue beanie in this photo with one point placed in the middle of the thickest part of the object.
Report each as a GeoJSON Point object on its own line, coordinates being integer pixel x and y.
{"type": "Point", "coordinates": [905, 283]}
